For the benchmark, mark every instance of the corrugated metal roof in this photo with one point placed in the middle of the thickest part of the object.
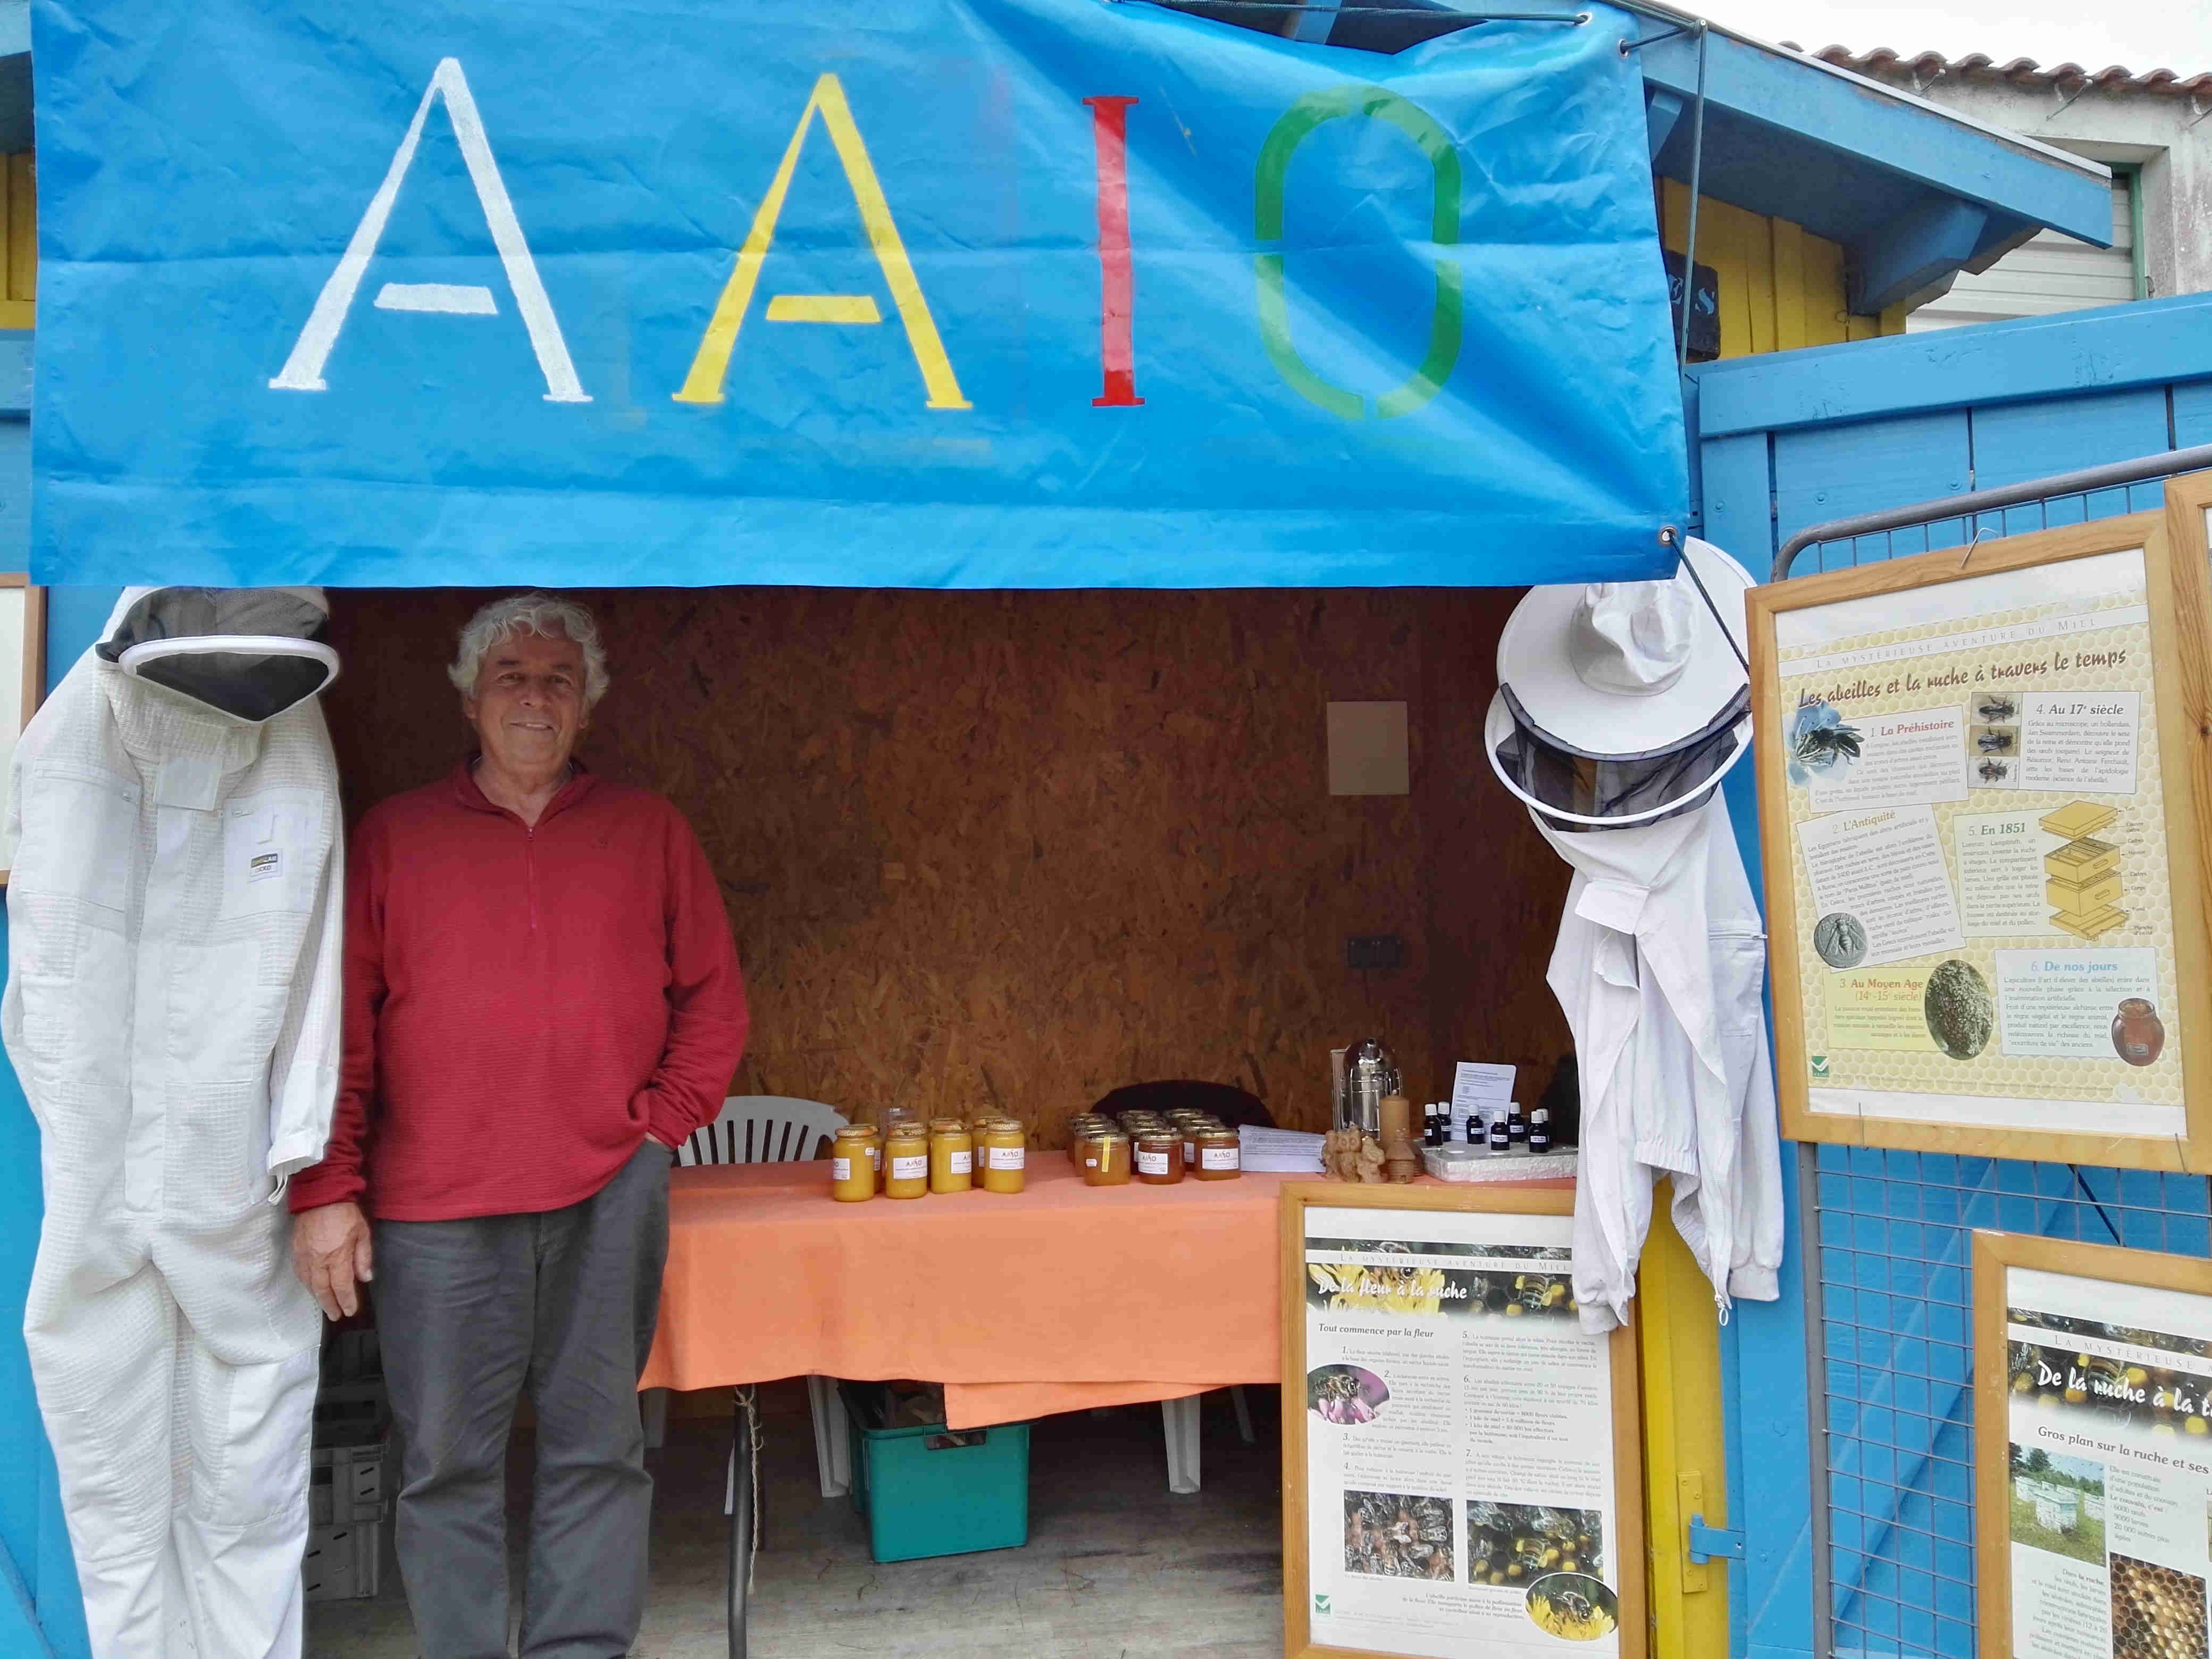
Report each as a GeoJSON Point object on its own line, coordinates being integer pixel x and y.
{"type": "Point", "coordinates": [1925, 67]}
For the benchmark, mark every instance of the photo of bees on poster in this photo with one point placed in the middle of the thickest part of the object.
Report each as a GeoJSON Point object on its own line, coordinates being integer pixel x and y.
{"type": "Point", "coordinates": [1455, 1280]}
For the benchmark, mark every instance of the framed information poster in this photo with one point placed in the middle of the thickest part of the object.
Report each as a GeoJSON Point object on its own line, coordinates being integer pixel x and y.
{"type": "Point", "coordinates": [2092, 1457]}
{"type": "Point", "coordinates": [1979, 780]}
{"type": "Point", "coordinates": [1460, 1462]}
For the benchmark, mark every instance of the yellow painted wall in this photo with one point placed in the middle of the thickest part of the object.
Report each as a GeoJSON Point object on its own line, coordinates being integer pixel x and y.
{"type": "Point", "coordinates": [19, 240]}
{"type": "Point", "coordinates": [1780, 286]}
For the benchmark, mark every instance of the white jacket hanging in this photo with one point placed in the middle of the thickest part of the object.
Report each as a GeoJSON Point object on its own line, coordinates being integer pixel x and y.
{"type": "Point", "coordinates": [172, 1010]}
{"type": "Point", "coordinates": [1660, 968]}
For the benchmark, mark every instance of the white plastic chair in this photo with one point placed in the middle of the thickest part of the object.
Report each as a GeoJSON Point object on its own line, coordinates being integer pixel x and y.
{"type": "Point", "coordinates": [771, 1129]}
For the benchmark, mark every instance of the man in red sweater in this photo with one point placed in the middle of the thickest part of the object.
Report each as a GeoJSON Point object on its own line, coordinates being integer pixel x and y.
{"type": "Point", "coordinates": [541, 1002]}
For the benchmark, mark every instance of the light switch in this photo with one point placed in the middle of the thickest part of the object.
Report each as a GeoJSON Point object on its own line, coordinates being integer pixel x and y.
{"type": "Point", "coordinates": [1367, 750]}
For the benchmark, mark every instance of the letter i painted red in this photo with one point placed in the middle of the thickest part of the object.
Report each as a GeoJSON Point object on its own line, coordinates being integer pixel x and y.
{"type": "Point", "coordinates": [1117, 283]}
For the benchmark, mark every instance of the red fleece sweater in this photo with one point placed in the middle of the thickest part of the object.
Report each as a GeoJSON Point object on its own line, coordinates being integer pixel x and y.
{"type": "Point", "coordinates": [523, 1005]}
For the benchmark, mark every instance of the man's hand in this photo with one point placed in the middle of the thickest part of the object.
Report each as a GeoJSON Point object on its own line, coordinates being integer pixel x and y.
{"type": "Point", "coordinates": [330, 1251]}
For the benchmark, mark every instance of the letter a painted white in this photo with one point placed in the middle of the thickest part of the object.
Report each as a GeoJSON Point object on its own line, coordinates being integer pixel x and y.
{"type": "Point", "coordinates": [303, 369]}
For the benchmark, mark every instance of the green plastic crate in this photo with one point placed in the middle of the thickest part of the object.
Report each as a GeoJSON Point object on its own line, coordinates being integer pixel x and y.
{"type": "Point", "coordinates": [927, 1491]}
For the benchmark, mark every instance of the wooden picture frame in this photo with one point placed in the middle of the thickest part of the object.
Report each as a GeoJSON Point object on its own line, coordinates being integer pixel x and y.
{"type": "Point", "coordinates": [1625, 1552]}
{"type": "Point", "coordinates": [1988, 1121]}
{"type": "Point", "coordinates": [23, 683]}
{"type": "Point", "coordinates": [1996, 1257]}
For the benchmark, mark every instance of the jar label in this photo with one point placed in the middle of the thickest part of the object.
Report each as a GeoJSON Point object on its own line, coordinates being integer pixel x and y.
{"type": "Point", "coordinates": [915, 1167]}
{"type": "Point", "coordinates": [1151, 1162]}
{"type": "Point", "coordinates": [1218, 1157]}
{"type": "Point", "coordinates": [1190, 1151]}
{"type": "Point", "coordinates": [963, 1162]}
{"type": "Point", "coordinates": [1090, 1163]}
{"type": "Point", "coordinates": [840, 1168]}
{"type": "Point", "coordinates": [1007, 1158]}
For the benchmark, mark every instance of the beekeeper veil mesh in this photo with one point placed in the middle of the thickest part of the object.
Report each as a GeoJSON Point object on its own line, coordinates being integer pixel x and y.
{"type": "Point", "coordinates": [1624, 702]}
{"type": "Point", "coordinates": [1577, 789]}
{"type": "Point", "coordinates": [250, 652]}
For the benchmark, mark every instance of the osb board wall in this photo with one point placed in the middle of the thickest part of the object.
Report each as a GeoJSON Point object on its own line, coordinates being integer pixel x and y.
{"type": "Point", "coordinates": [1024, 847]}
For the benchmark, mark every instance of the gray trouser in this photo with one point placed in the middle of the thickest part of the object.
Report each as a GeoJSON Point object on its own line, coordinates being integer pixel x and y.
{"type": "Point", "coordinates": [470, 1312]}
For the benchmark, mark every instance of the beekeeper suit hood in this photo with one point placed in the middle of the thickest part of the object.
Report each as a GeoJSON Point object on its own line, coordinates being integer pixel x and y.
{"type": "Point", "coordinates": [172, 1010]}
{"type": "Point", "coordinates": [248, 652]}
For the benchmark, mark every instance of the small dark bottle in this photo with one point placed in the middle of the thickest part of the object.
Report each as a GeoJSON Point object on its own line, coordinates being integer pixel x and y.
{"type": "Point", "coordinates": [1500, 1139]}
{"type": "Point", "coordinates": [1540, 1130]}
{"type": "Point", "coordinates": [1476, 1135]}
{"type": "Point", "coordinates": [1429, 1124]}
{"type": "Point", "coordinates": [1517, 1133]}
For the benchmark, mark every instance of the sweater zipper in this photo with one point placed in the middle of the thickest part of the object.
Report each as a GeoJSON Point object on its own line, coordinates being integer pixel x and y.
{"type": "Point", "coordinates": [529, 864]}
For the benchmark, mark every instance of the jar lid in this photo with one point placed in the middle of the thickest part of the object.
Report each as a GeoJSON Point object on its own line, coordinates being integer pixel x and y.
{"type": "Point", "coordinates": [1160, 1134]}
{"type": "Point", "coordinates": [907, 1132]}
{"type": "Point", "coordinates": [1106, 1135]}
{"type": "Point", "coordinates": [1217, 1133]}
{"type": "Point", "coordinates": [853, 1131]}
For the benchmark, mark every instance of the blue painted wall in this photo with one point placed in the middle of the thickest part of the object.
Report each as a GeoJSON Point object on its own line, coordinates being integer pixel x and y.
{"type": "Point", "coordinates": [1789, 440]}
{"type": "Point", "coordinates": [31, 1532]}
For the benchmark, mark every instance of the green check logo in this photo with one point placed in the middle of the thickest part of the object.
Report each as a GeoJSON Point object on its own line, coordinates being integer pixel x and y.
{"type": "Point", "coordinates": [1321, 1602]}
{"type": "Point", "coordinates": [1819, 1065]}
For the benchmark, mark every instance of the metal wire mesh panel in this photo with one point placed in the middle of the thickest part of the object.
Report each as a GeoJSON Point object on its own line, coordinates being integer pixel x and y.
{"type": "Point", "coordinates": [1896, 1335]}
{"type": "Point", "coordinates": [1891, 1253]}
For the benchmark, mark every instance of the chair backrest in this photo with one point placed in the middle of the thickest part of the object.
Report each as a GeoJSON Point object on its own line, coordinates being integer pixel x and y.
{"type": "Point", "coordinates": [762, 1129]}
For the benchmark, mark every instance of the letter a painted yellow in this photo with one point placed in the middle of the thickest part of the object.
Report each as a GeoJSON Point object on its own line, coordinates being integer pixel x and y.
{"type": "Point", "coordinates": [711, 367]}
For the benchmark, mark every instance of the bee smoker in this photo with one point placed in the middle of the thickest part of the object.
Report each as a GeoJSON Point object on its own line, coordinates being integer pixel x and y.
{"type": "Point", "coordinates": [1369, 1073]}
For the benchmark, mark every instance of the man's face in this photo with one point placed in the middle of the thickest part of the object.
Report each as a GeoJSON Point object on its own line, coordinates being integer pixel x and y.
{"type": "Point", "coordinates": [528, 704]}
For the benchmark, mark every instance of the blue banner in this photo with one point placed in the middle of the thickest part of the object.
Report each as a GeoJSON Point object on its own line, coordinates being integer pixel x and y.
{"type": "Point", "coordinates": [923, 293]}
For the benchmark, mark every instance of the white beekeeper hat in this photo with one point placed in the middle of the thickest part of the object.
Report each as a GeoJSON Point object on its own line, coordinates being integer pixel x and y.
{"type": "Point", "coordinates": [1622, 702]}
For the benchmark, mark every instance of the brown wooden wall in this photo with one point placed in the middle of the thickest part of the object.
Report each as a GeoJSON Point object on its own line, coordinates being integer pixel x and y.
{"type": "Point", "coordinates": [1024, 847]}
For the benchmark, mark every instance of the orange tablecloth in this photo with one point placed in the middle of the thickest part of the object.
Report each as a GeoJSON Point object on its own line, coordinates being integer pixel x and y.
{"type": "Point", "coordinates": [1056, 1298]}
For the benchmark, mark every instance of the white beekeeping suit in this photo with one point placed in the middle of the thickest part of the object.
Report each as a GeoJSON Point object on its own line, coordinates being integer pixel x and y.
{"type": "Point", "coordinates": [1659, 968]}
{"type": "Point", "coordinates": [1620, 706]}
{"type": "Point", "coordinates": [171, 1009]}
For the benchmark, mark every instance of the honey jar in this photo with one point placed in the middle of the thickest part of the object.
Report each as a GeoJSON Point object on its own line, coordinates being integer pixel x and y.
{"type": "Point", "coordinates": [875, 1137]}
{"type": "Point", "coordinates": [1005, 1156]}
{"type": "Point", "coordinates": [1081, 1128]}
{"type": "Point", "coordinates": [1220, 1155]}
{"type": "Point", "coordinates": [1189, 1124]}
{"type": "Point", "coordinates": [1106, 1159]}
{"type": "Point", "coordinates": [852, 1172]}
{"type": "Point", "coordinates": [1159, 1156]}
{"type": "Point", "coordinates": [952, 1156]}
{"type": "Point", "coordinates": [906, 1161]}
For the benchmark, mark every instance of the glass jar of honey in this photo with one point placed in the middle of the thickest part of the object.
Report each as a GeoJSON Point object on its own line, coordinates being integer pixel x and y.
{"type": "Point", "coordinates": [1219, 1156]}
{"type": "Point", "coordinates": [952, 1156]}
{"type": "Point", "coordinates": [1005, 1156]}
{"type": "Point", "coordinates": [1159, 1156]}
{"type": "Point", "coordinates": [1189, 1127]}
{"type": "Point", "coordinates": [852, 1172]}
{"type": "Point", "coordinates": [906, 1161]}
{"type": "Point", "coordinates": [1081, 1128]}
{"type": "Point", "coordinates": [1106, 1159]}
{"type": "Point", "coordinates": [874, 1138]}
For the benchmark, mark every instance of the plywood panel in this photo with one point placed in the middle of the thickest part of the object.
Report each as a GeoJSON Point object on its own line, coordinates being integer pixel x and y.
{"type": "Point", "coordinates": [1023, 848]}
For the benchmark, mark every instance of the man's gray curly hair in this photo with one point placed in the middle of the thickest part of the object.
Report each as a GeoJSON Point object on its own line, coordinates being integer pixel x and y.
{"type": "Point", "coordinates": [546, 615]}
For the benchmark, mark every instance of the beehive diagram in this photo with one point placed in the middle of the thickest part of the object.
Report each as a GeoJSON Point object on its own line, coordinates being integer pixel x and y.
{"type": "Point", "coordinates": [2083, 881]}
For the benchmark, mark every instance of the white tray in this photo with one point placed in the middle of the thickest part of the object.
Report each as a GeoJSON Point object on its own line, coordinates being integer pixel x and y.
{"type": "Point", "coordinates": [1466, 1163]}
